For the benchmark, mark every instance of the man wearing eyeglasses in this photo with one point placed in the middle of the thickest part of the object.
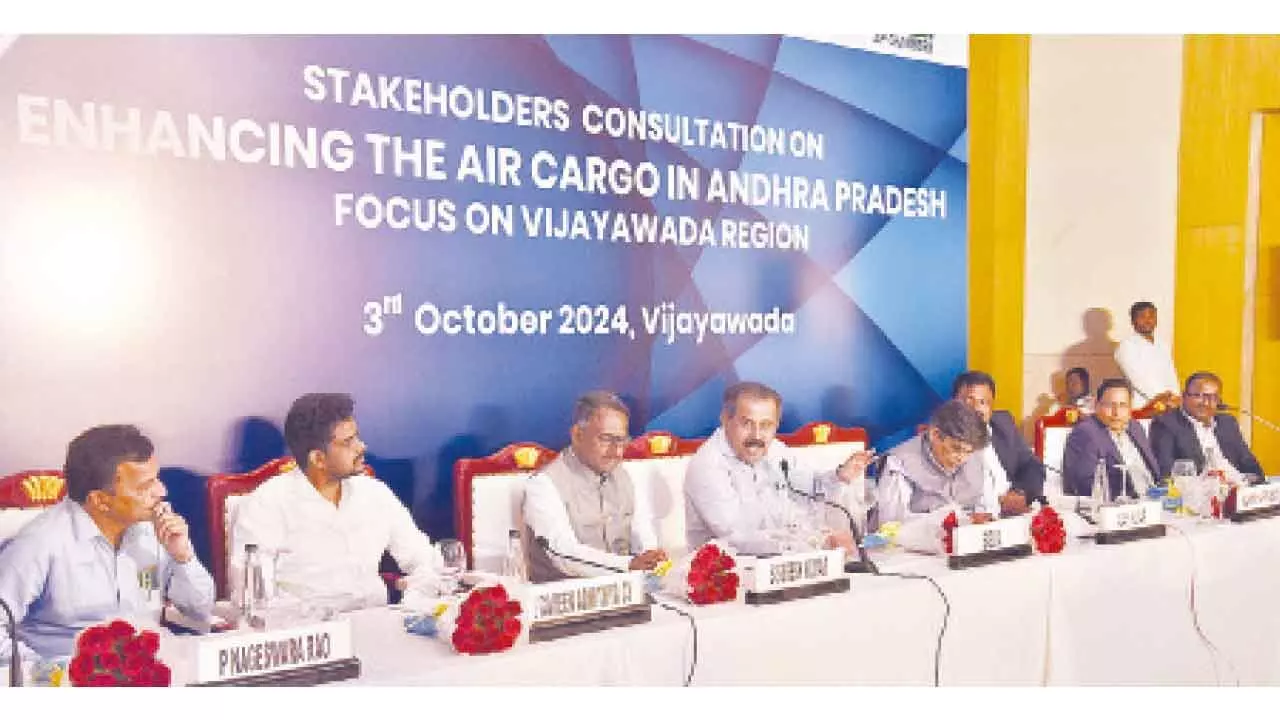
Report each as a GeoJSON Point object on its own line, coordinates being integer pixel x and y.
{"type": "Point", "coordinates": [937, 467]}
{"type": "Point", "coordinates": [1201, 434]}
{"type": "Point", "coordinates": [1112, 435]}
{"type": "Point", "coordinates": [585, 504]}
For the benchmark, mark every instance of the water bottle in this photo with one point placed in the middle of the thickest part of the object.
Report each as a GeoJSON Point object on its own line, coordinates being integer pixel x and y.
{"type": "Point", "coordinates": [1101, 485]}
{"type": "Point", "coordinates": [513, 565]}
{"type": "Point", "coordinates": [253, 591]}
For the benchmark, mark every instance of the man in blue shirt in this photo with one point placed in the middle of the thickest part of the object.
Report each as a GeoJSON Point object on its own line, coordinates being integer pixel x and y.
{"type": "Point", "coordinates": [112, 549]}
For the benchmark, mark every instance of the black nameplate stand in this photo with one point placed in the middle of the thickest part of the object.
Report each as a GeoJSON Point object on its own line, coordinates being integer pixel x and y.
{"type": "Point", "coordinates": [1115, 537]}
{"type": "Point", "coordinates": [556, 629]}
{"type": "Point", "coordinates": [960, 562]}
{"type": "Point", "coordinates": [347, 669]}
{"type": "Point", "coordinates": [1259, 514]}
{"type": "Point", "coordinates": [769, 597]}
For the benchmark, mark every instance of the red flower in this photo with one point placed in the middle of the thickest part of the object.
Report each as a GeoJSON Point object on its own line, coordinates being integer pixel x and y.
{"type": "Point", "coordinates": [150, 641]}
{"type": "Point", "coordinates": [711, 578]}
{"type": "Point", "coordinates": [120, 629]}
{"type": "Point", "coordinates": [80, 668]}
{"type": "Point", "coordinates": [1215, 506]}
{"type": "Point", "coordinates": [93, 640]}
{"type": "Point", "coordinates": [949, 524]}
{"type": "Point", "coordinates": [1230, 508]}
{"type": "Point", "coordinates": [1047, 531]}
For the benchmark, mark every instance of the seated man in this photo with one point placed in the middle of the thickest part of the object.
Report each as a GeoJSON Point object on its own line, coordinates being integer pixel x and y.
{"type": "Point", "coordinates": [327, 523]}
{"type": "Point", "coordinates": [1012, 472]}
{"type": "Point", "coordinates": [736, 490]}
{"type": "Point", "coordinates": [938, 467]}
{"type": "Point", "coordinates": [1078, 389]}
{"type": "Point", "coordinates": [584, 503]}
{"type": "Point", "coordinates": [1198, 432]}
{"type": "Point", "coordinates": [1110, 434]}
{"type": "Point", "coordinates": [112, 549]}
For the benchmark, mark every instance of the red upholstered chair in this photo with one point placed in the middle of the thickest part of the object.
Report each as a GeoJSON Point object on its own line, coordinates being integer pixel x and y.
{"type": "Point", "coordinates": [488, 493]}
{"type": "Point", "coordinates": [25, 495]}
{"type": "Point", "coordinates": [220, 488]}
{"type": "Point", "coordinates": [1049, 426]}
{"type": "Point", "coordinates": [1150, 410]}
{"type": "Point", "coordinates": [824, 445]}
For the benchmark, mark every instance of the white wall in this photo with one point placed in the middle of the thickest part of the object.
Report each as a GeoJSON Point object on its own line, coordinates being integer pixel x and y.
{"type": "Point", "coordinates": [1102, 181]}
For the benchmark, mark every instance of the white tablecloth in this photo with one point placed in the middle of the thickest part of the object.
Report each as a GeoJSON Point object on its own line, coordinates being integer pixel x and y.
{"type": "Point", "coordinates": [1093, 615]}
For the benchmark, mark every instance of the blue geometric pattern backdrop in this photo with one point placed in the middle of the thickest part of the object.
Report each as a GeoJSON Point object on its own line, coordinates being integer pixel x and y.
{"type": "Point", "coordinates": [252, 275]}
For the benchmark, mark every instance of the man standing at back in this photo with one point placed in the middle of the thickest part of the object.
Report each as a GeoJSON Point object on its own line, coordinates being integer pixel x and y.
{"type": "Point", "coordinates": [326, 521]}
{"type": "Point", "coordinates": [584, 503]}
{"type": "Point", "coordinates": [1146, 361]}
{"type": "Point", "coordinates": [1012, 472]}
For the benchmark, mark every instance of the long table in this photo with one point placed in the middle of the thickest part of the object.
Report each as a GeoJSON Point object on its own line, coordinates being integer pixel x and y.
{"type": "Point", "coordinates": [1113, 615]}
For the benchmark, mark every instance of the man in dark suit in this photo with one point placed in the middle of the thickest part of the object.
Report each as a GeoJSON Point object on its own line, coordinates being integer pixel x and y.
{"type": "Point", "coordinates": [1016, 472]}
{"type": "Point", "coordinates": [1114, 436]}
{"type": "Point", "coordinates": [1187, 434]}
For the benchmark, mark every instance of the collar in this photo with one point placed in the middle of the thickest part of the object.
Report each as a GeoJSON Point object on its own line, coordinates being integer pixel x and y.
{"type": "Point", "coordinates": [1213, 421]}
{"type": "Point", "coordinates": [580, 469]}
{"type": "Point", "coordinates": [933, 461]}
{"type": "Point", "coordinates": [83, 527]}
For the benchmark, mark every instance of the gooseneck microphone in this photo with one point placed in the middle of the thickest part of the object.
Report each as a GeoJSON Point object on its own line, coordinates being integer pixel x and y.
{"type": "Point", "coordinates": [1223, 407]}
{"type": "Point", "coordinates": [863, 564]}
{"type": "Point", "coordinates": [546, 545]}
{"type": "Point", "coordinates": [15, 661]}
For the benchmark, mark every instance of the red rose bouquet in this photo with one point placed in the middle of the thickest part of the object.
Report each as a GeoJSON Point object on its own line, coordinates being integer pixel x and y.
{"type": "Point", "coordinates": [486, 621]}
{"type": "Point", "coordinates": [712, 577]}
{"type": "Point", "coordinates": [949, 524]}
{"type": "Point", "coordinates": [1229, 508]}
{"type": "Point", "coordinates": [1047, 531]}
{"type": "Point", "coordinates": [115, 655]}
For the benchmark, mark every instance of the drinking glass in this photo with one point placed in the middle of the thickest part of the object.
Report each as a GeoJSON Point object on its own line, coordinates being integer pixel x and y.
{"type": "Point", "coordinates": [455, 564]}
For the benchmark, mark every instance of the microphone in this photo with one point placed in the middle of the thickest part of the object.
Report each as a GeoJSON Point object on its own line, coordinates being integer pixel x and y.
{"type": "Point", "coordinates": [545, 544]}
{"type": "Point", "coordinates": [15, 661]}
{"type": "Point", "coordinates": [863, 564]}
{"type": "Point", "coordinates": [688, 680]}
{"type": "Point", "coordinates": [1223, 407]}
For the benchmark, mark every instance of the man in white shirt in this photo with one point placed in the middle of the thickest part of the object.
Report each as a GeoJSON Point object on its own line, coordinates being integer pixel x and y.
{"type": "Point", "coordinates": [736, 486]}
{"type": "Point", "coordinates": [584, 503]}
{"type": "Point", "coordinates": [1146, 361]}
{"type": "Point", "coordinates": [326, 523]}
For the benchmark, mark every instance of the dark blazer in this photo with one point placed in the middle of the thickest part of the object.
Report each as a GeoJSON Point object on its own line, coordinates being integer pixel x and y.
{"type": "Point", "coordinates": [1025, 471]}
{"type": "Point", "coordinates": [1090, 440]}
{"type": "Point", "coordinates": [1174, 438]}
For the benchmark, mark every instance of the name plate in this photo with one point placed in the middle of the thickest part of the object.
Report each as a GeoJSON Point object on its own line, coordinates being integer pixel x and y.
{"type": "Point", "coordinates": [580, 597]}
{"type": "Point", "coordinates": [1257, 501]}
{"type": "Point", "coordinates": [578, 605]}
{"type": "Point", "coordinates": [1132, 516]}
{"type": "Point", "coordinates": [991, 536]}
{"type": "Point", "coordinates": [229, 657]}
{"type": "Point", "coordinates": [795, 570]}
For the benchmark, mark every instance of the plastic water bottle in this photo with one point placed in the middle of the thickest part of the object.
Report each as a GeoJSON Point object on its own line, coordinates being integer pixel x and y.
{"type": "Point", "coordinates": [253, 595]}
{"type": "Point", "coordinates": [513, 565]}
{"type": "Point", "coordinates": [1101, 485]}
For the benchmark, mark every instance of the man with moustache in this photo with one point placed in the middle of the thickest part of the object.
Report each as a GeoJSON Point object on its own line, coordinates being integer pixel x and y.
{"type": "Point", "coordinates": [938, 467]}
{"type": "Point", "coordinates": [1013, 474]}
{"type": "Point", "coordinates": [584, 503]}
{"type": "Point", "coordinates": [327, 523]}
{"type": "Point", "coordinates": [107, 551]}
{"type": "Point", "coordinates": [1110, 434]}
{"type": "Point", "coordinates": [735, 489]}
{"type": "Point", "coordinates": [1199, 433]}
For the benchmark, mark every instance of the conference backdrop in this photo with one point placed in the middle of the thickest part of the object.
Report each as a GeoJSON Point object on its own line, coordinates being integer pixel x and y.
{"type": "Point", "coordinates": [465, 233]}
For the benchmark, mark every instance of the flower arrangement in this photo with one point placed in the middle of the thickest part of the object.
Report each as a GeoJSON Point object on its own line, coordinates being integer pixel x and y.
{"type": "Point", "coordinates": [117, 655]}
{"type": "Point", "coordinates": [949, 524]}
{"type": "Point", "coordinates": [1048, 534]}
{"type": "Point", "coordinates": [486, 621]}
{"type": "Point", "coordinates": [712, 576]}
